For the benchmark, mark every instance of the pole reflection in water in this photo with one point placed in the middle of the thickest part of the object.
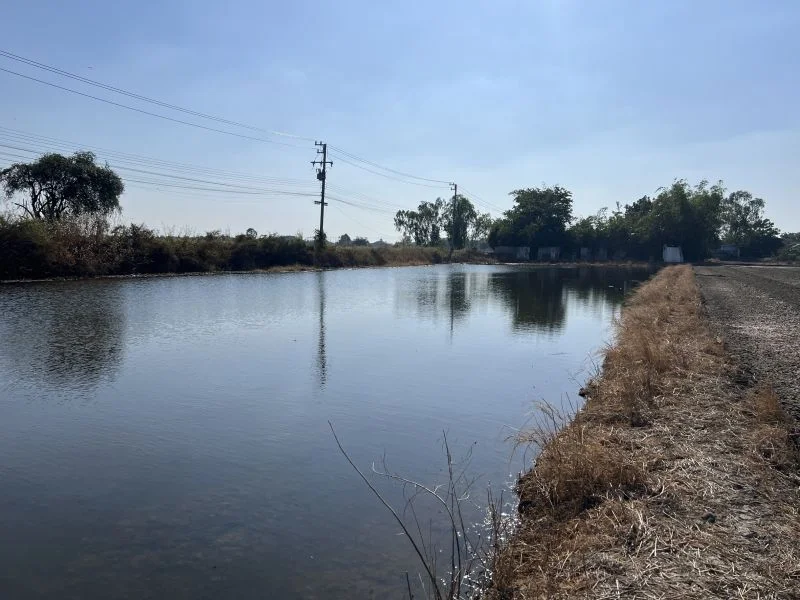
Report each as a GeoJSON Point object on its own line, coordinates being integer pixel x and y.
{"type": "Point", "coordinates": [322, 361]}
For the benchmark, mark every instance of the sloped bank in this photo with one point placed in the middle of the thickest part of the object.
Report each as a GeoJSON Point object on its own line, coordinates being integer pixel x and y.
{"type": "Point", "coordinates": [674, 479]}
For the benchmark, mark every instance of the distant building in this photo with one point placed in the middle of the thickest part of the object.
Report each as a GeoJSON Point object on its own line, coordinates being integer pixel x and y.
{"type": "Point", "coordinates": [513, 252]}
{"type": "Point", "coordinates": [672, 254]}
{"type": "Point", "coordinates": [548, 253]}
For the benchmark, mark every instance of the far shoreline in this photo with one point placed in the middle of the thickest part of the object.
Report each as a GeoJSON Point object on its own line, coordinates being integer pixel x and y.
{"type": "Point", "coordinates": [301, 268]}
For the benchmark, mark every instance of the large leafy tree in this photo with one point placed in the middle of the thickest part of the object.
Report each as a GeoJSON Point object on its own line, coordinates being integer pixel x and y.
{"type": "Point", "coordinates": [457, 217]}
{"type": "Point", "coordinates": [743, 224]}
{"type": "Point", "coordinates": [422, 225]}
{"type": "Point", "coordinates": [539, 217]}
{"type": "Point", "coordinates": [55, 186]}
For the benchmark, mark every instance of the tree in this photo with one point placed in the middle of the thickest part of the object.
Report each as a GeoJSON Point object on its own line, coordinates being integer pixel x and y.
{"type": "Point", "coordinates": [360, 241]}
{"type": "Point", "coordinates": [251, 233]}
{"type": "Point", "coordinates": [790, 248]}
{"type": "Point", "coordinates": [539, 217]}
{"type": "Point", "coordinates": [422, 225]}
{"type": "Point", "coordinates": [344, 240]}
{"type": "Point", "coordinates": [480, 227]}
{"type": "Point", "coordinates": [457, 216]}
{"type": "Point", "coordinates": [744, 225]}
{"type": "Point", "coordinates": [55, 186]}
{"type": "Point", "coordinates": [681, 215]}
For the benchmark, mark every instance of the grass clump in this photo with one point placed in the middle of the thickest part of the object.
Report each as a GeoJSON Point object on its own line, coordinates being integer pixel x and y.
{"type": "Point", "coordinates": [774, 438]}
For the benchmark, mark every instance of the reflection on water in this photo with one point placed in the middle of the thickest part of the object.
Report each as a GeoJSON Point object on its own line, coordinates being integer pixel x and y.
{"type": "Point", "coordinates": [322, 361]}
{"type": "Point", "coordinates": [168, 437]}
{"type": "Point", "coordinates": [536, 299]}
{"type": "Point", "coordinates": [70, 337]}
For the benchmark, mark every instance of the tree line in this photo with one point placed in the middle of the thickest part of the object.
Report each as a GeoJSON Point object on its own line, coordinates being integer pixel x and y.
{"type": "Point", "coordinates": [697, 218]}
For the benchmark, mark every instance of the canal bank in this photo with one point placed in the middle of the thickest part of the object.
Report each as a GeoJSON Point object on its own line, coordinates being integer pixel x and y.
{"type": "Point", "coordinates": [677, 478]}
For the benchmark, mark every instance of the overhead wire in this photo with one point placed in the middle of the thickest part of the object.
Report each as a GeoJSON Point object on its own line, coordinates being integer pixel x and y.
{"type": "Point", "coordinates": [152, 114]}
{"type": "Point", "coordinates": [360, 224]}
{"type": "Point", "coordinates": [51, 69]}
{"type": "Point", "coordinates": [368, 170]}
{"type": "Point", "coordinates": [49, 143]}
{"type": "Point", "coordinates": [342, 154]}
{"type": "Point", "coordinates": [120, 158]}
{"type": "Point", "coordinates": [220, 186]}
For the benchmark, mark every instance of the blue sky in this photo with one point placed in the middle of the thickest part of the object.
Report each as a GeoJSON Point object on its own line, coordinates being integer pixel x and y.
{"type": "Point", "coordinates": [609, 99]}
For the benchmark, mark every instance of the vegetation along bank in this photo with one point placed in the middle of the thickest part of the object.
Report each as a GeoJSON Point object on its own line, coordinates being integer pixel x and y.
{"type": "Point", "coordinates": [678, 478]}
{"type": "Point", "coordinates": [62, 211]}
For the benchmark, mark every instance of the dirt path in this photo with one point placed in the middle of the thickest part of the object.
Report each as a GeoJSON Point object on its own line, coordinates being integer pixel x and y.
{"type": "Point", "coordinates": [757, 311]}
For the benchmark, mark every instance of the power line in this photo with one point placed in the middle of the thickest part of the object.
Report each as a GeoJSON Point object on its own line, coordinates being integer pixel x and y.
{"type": "Point", "coordinates": [479, 199]}
{"type": "Point", "coordinates": [340, 151]}
{"type": "Point", "coordinates": [361, 205]}
{"type": "Point", "coordinates": [192, 179]}
{"type": "Point", "coordinates": [360, 224]}
{"type": "Point", "coordinates": [51, 69]}
{"type": "Point", "coordinates": [226, 191]}
{"type": "Point", "coordinates": [368, 170]}
{"type": "Point", "coordinates": [224, 187]}
{"type": "Point", "coordinates": [361, 196]}
{"type": "Point", "coordinates": [152, 114]}
{"type": "Point", "coordinates": [49, 143]}
{"type": "Point", "coordinates": [344, 155]}
{"type": "Point", "coordinates": [221, 186]}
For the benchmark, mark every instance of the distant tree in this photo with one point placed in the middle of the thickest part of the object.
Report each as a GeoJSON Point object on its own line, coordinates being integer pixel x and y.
{"type": "Point", "coordinates": [457, 215]}
{"type": "Point", "coordinates": [55, 186]}
{"type": "Point", "coordinates": [743, 224]}
{"type": "Point", "coordinates": [422, 225]}
{"type": "Point", "coordinates": [790, 247]}
{"type": "Point", "coordinates": [360, 241]}
{"type": "Point", "coordinates": [251, 233]}
{"type": "Point", "coordinates": [479, 227]}
{"type": "Point", "coordinates": [539, 217]}
{"type": "Point", "coordinates": [685, 216]}
{"type": "Point", "coordinates": [344, 240]}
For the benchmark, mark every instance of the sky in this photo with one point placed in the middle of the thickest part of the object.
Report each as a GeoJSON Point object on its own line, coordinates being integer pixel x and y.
{"type": "Point", "coordinates": [609, 99]}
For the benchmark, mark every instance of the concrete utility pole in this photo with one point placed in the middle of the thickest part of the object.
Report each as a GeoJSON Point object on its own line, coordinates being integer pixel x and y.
{"type": "Point", "coordinates": [454, 187]}
{"type": "Point", "coordinates": [321, 174]}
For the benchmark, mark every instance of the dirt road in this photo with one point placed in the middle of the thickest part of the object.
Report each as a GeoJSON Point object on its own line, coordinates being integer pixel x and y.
{"type": "Point", "coordinates": [757, 311]}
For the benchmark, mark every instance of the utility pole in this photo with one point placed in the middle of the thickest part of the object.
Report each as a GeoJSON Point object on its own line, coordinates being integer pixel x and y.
{"type": "Point", "coordinates": [321, 174]}
{"type": "Point", "coordinates": [454, 187]}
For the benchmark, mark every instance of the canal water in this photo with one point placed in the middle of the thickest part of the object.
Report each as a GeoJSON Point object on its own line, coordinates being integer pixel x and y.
{"type": "Point", "coordinates": [169, 437]}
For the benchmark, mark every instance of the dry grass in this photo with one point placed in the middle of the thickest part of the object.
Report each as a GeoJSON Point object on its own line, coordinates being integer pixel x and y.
{"type": "Point", "coordinates": [773, 438]}
{"type": "Point", "coordinates": [670, 482]}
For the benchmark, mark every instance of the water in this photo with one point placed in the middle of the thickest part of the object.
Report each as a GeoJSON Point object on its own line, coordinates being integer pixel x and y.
{"type": "Point", "coordinates": [169, 438]}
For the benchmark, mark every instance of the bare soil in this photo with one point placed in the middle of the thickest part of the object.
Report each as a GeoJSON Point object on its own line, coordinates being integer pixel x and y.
{"type": "Point", "coordinates": [757, 311]}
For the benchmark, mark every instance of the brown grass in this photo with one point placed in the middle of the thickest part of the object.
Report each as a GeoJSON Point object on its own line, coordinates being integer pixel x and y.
{"type": "Point", "coordinates": [774, 438]}
{"type": "Point", "coordinates": [652, 489]}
